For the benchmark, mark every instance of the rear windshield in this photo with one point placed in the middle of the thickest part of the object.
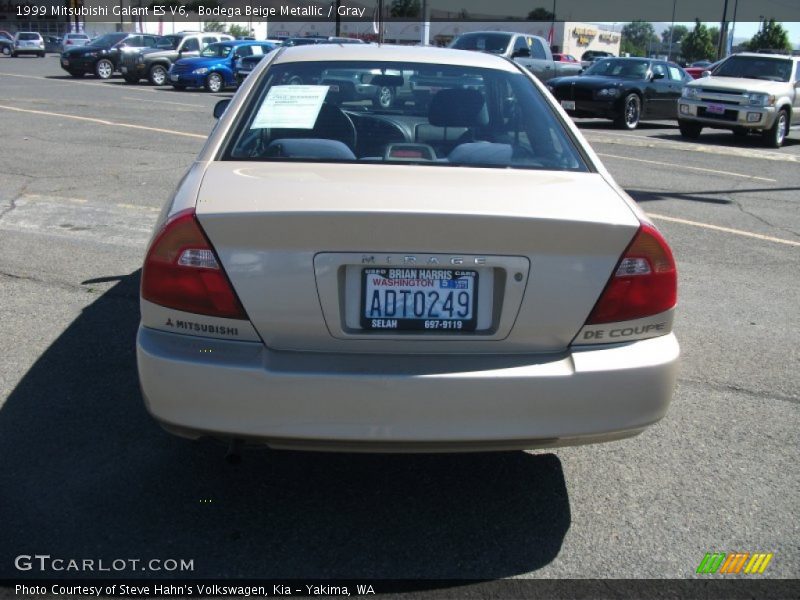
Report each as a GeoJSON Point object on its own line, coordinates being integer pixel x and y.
{"type": "Point", "coordinates": [486, 42]}
{"type": "Point", "coordinates": [400, 113]}
{"type": "Point", "coordinates": [77, 36]}
{"type": "Point", "coordinates": [108, 40]}
{"type": "Point", "coordinates": [29, 36]}
{"type": "Point", "coordinates": [755, 67]}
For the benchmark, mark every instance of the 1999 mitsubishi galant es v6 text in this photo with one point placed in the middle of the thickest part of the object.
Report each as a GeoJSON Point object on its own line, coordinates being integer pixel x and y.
{"type": "Point", "coordinates": [455, 272]}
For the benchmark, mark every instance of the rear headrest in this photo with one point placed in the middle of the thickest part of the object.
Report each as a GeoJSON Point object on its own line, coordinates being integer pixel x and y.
{"type": "Point", "coordinates": [458, 108]}
{"type": "Point", "coordinates": [309, 148]}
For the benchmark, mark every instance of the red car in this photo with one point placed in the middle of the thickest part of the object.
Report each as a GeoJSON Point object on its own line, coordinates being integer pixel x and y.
{"type": "Point", "coordinates": [697, 72]}
{"type": "Point", "coordinates": [565, 58]}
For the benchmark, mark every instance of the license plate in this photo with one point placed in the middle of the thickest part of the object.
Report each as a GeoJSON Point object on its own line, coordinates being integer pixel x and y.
{"type": "Point", "coordinates": [419, 299]}
{"type": "Point", "coordinates": [123, 70]}
{"type": "Point", "coordinates": [568, 104]}
{"type": "Point", "coordinates": [716, 109]}
{"type": "Point", "coordinates": [173, 78]}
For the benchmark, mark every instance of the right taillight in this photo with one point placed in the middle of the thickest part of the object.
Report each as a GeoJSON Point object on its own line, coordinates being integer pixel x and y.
{"type": "Point", "coordinates": [182, 271]}
{"type": "Point", "coordinates": [644, 283]}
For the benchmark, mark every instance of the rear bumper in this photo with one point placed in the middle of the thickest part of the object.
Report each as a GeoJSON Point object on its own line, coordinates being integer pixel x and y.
{"type": "Point", "coordinates": [200, 386]}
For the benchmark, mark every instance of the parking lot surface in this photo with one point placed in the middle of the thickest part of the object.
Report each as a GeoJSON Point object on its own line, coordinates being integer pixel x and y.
{"type": "Point", "coordinates": [84, 169]}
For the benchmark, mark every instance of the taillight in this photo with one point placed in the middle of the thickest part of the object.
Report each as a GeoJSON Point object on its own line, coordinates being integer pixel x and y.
{"type": "Point", "coordinates": [182, 271]}
{"type": "Point", "coordinates": [645, 281]}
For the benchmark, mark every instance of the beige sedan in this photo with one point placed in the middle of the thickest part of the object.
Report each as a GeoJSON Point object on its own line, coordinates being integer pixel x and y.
{"type": "Point", "coordinates": [455, 272]}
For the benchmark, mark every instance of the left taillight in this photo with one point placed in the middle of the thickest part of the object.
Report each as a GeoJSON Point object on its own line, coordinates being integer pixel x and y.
{"type": "Point", "coordinates": [182, 271]}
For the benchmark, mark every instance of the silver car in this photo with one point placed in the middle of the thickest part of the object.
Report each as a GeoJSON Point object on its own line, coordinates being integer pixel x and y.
{"type": "Point", "coordinates": [458, 274]}
{"type": "Point", "coordinates": [73, 40]}
{"type": "Point", "coordinates": [28, 42]}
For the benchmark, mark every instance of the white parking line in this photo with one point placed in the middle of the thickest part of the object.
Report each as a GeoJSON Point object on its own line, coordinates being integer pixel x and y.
{"type": "Point", "coordinates": [750, 234]}
{"type": "Point", "coordinates": [165, 102]}
{"type": "Point", "coordinates": [104, 122]}
{"type": "Point", "coordinates": [676, 166]}
{"type": "Point", "coordinates": [77, 82]}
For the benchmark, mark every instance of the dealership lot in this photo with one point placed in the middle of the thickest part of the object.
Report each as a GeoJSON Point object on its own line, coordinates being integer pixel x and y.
{"type": "Point", "coordinates": [85, 168]}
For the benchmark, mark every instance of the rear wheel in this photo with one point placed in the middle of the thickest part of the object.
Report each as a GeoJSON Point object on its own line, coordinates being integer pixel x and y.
{"type": "Point", "coordinates": [214, 82]}
{"type": "Point", "coordinates": [690, 130]}
{"type": "Point", "coordinates": [104, 68]}
{"type": "Point", "coordinates": [157, 75]}
{"type": "Point", "coordinates": [6, 51]}
{"type": "Point", "coordinates": [631, 112]}
{"type": "Point", "coordinates": [774, 136]}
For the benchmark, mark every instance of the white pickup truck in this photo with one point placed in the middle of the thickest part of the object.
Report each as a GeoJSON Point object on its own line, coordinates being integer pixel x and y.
{"type": "Point", "coordinates": [530, 51]}
{"type": "Point", "coordinates": [746, 93]}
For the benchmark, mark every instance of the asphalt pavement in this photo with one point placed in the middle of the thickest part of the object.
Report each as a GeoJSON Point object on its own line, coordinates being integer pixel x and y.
{"type": "Point", "coordinates": [85, 166]}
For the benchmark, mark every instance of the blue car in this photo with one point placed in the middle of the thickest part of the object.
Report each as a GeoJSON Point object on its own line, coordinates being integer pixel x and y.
{"type": "Point", "coordinates": [214, 68]}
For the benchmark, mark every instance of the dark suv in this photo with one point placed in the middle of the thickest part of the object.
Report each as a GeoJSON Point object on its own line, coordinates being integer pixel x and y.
{"type": "Point", "coordinates": [153, 64]}
{"type": "Point", "coordinates": [101, 56]}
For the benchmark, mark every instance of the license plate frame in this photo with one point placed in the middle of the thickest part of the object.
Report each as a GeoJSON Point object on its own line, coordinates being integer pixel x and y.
{"type": "Point", "coordinates": [430, 321]}
{"type": "Point", "coordinates": [715, 109]}
{"type": "Point", "coordinates": [568, 104]}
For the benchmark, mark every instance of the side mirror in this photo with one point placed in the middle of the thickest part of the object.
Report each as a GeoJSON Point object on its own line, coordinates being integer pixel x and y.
{"type": "Point", "coordinates": [706, 74]}
{"type": "Point", "coordinates": [219, 107]}
{"type": "Point", "coordinates": [521, 53]}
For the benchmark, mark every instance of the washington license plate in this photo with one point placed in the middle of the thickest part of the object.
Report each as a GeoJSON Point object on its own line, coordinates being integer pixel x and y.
{"type": "Point", "coordinates": [419, 299]}
{"type": "Point", "coordinates": [716, 109]}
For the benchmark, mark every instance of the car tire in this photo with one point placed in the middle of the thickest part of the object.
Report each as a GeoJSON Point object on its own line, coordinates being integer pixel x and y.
{"type": "Point", "coordinates": [775, 135]}
{"type": "Point", "coordinates": [76, 74]}
{"type": "Point", "coordinates": [631, 112]}
{"type": "Point", "coordinates": [130, 79]}
{"type": "Point", "coordinates": [157, 75]}
{"type": "Point", "coordinates": [690, 130]}
{"type": "Point", "coordinates": [214, 83]}
{"type": "Point", "coordinates": [104, 69]}
{"type": "Point", "coordinates": [6, 51]}
{"type": "Point", "coordinates": [384, 97]}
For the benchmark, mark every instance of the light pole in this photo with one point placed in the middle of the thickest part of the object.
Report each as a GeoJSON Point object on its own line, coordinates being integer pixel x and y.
{"type": "Point", "coordinates": [671, 31]}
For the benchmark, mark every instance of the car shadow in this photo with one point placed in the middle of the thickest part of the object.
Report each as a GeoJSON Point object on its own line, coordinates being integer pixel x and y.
{"type": "Point", "coordinates": [86, 473]}
{"type": "Point", "coordinates": [728, 139]}
{"type": "Point", "coordinates": [593, 124]}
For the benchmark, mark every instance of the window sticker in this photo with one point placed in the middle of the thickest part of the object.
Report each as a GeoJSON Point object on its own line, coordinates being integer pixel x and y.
{"type": "Point", "coordinates": [290, 107]}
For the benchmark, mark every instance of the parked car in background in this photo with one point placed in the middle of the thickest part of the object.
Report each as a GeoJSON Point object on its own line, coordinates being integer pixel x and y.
{"type": "Point", "coordinates": [589, 57]}
{"type": "Point", "coordinates": [214, 69]}
{"type": "Point", "coordinates": [700, 63]}
{"type": "Point", "coordinates": [530, 51]}
{"type": "Point", "coordinates": [565, 58]}
{"type": "Point", "coordinates": [304, 41]}
{"type": "Point", "coordinates": [461, 275]}
{"type": "Point", "coordinates": [6, 43]}
{"type": "Point", "coordinates": [625, 90]}
{"type": "Point", "coordinates": [70, 40]}
{"type": "Point", "coordinates": [102, 56]}
{"type": "Point", "coordinates": [153, 64]}
{"type": "Point", "coordinates": [746, 93]}
{"type": "Point", "coordinates": [28, 42]}
{"type": "Point", "coordinates": [52, 44]}
{"type": "Point", "coordinates": [697, 71]}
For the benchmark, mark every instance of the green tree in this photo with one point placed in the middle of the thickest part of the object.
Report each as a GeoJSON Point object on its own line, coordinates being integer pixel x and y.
{"type": "Point", "coordinates": [678, 31]}
{"type": "Point", "coordinates": [405, 8]}
{"type": "Point", "coordinates": [698, 44]}
{"type": "Point", "coordinates": [638, 37]}
{"type": "Point", "coordinates": [714, 33]}
{"type": "Point", "coordinates": [540, 14]}
{"type": "Point", "coordinates": [238, 31]}
{"type": "Point", "coordinates": [214, 26]}
{"type": "Point", "coordinates": [771, 37]}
